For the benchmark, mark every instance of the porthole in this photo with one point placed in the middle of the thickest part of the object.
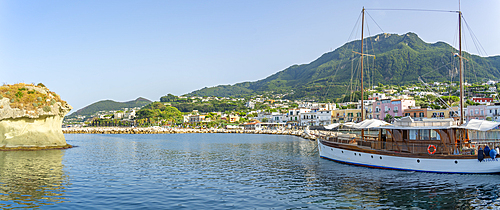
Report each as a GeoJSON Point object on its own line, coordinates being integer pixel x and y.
{"type": "Point", "coordinates": [380, 157]}
{"type": "Point", "coordinates": [456, 162]}
{"type": "Point", "coordinates": [359, 154]}
{"type": "Point", "coordinates": [418, 161]}
{"type": "Point", "coordinates": [342, 151]}
{"type": "Point", "coordinates": [331, 149]}
{"type": "Point", "coordinates": [372, 156]}
{"type": "Point", "coordinates": [354, 154]}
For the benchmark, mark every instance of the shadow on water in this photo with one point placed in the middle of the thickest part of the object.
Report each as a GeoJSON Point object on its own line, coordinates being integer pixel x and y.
{"type": "Point", "coordinates": [30, 179]}
{"type": "Point", "coordinates": [346, 186]}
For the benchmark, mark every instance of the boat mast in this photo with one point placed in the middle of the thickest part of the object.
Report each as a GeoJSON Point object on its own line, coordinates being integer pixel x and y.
{"type": "Point", "coordinates": [460, 68]}
{"type": "Point", "coordinates": [362, 94]}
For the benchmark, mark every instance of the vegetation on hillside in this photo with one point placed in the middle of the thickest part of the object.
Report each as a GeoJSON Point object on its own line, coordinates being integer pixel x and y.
{"type": "Point", "coordinates": [108, 105]}
{"type": "Point", "coordinates": [186, 105]}
{"type": "Point", "coordinates": [157, 113]}
{"type": "Point", "coordinates": [30, 97]}
{"type": "Point", "coordinates": [399, 60]}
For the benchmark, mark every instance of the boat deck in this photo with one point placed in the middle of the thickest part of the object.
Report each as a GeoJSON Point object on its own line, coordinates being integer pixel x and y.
{"type": "Point", "coordinates": [370, 146]}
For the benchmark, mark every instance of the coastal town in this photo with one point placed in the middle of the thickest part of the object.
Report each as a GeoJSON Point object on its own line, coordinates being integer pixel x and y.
{"type": "Point", "coordinates": [427, 101]}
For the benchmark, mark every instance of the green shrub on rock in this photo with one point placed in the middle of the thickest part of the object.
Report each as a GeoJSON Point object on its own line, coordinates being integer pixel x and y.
{"type": "Point", "coordinates": [47, 109]}
{"type": "Point", "coordinates": [19, 94]}
{"type": "Point", "coordinates": [35, 104]}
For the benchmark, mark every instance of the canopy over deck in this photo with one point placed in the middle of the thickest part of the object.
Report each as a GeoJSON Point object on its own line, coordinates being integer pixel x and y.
{"type": "Point", "coordinates": [367, 124]}
{"type": "Point", "coordinates": [332, 126]}
{"type": "Point", "coordinates": [480, 125]}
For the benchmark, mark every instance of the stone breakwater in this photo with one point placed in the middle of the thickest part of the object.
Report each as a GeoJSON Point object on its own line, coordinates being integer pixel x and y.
{"type": "Point", "coordinates": [153, 130]}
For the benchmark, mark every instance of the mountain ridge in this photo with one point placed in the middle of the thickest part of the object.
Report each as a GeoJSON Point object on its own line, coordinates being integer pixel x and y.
{"type": "Point", "coordinates": [108, 105]}
{"type": "Point", "coordinates": [399, 60]}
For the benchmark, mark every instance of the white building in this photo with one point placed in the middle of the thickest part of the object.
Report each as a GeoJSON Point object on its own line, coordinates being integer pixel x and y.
{"type": "Point", "coordinates": [493, 112]}
{"type": "Point", "coordinates": [118, 115]}
{"type": "Point", "coordinates": [250, 104]}
{"type": "Point", "coordinates": [324, 117]}
{"type": "Point", "coordinates": [129, 115]}
{"type": "Point", "coordinates": [277, 118]}
{"type": "Point", "coordinates": [307, 118]}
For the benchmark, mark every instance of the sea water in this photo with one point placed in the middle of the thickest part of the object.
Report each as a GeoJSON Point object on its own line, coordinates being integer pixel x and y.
{"type": "Point", "coordinates": [220, 171]}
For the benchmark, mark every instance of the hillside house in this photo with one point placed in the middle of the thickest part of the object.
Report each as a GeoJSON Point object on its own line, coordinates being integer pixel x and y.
{"type": "Point", "coordinates": [394, 107]}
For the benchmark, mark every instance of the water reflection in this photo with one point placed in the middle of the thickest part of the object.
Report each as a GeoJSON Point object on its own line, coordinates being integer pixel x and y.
{"type": "Point", "coordinates": [354, 187]}
{"type": "Point", "coordinates": [224, 171]}
{"type": "Point", "coordinates": [31, 178]}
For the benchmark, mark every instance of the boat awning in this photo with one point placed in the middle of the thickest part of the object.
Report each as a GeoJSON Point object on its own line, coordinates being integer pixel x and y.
{"type": "Point", "coordinates": [366, 124]}
{"type": "Point", "coordinates": [332, 126]}
{"type": "Point", "coordinates": [480, 125]}
{"type": "Point", "coordinates": [417, 127]}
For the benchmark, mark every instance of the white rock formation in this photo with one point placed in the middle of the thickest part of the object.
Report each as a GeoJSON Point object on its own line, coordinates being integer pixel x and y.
{"type": "Point", "coordinates": [21, 128]}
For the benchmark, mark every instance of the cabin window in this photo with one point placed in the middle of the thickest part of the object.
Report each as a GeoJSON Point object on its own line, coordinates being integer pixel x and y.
{"type": "Point", "coordinates": [424, 135]}
{"type": "Point", "coordinates": [413, 135]}
{"type": "Point", "coordinates": [434, 135]}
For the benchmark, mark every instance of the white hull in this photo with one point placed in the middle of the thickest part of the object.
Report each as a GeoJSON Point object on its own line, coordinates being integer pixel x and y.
{"type": "Point", "coordinates": [488, 165]}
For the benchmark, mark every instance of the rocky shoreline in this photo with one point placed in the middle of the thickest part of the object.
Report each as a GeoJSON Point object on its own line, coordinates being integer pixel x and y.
{"type": "Point", "coordinates": [157, 130]}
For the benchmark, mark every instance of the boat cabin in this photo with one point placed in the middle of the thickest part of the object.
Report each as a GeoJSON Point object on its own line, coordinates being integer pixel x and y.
{"type": "Point", "coordinates": [432, 136]}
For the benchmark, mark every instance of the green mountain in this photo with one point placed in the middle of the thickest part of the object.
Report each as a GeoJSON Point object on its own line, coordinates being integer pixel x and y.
{"type": "Point", "coordinates": [108, 105]}
{"type": "Point", "coordinates": [398, 60]}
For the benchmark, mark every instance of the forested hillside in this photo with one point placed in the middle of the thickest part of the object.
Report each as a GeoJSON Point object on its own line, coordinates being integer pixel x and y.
{"type": "Point", "coordinates": [397, 60]}
{"type": "Point", "coordinates": [108, 105]}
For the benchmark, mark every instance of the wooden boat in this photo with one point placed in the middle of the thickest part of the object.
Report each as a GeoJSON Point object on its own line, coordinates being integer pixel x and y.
{"type": "Point", "coordinates": [427, 146]}
{"type": "Point", "coordinates": [441, 146]}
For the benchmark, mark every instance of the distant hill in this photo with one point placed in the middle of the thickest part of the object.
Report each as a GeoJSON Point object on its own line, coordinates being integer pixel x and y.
{"type": "Point", "coordinates": [399, 60]}
{"type": "Point", "coordinates": [108, 105]}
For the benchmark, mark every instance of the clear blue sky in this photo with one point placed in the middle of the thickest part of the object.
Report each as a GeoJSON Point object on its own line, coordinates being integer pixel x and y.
{"type": "Point", "coordinates": [88, 51]}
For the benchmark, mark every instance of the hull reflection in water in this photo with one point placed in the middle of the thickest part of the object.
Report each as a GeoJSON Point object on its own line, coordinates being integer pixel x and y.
{"type": "Point", "coordinates": [31, 178]}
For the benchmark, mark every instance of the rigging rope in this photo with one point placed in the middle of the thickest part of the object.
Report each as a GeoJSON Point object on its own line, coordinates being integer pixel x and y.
{"type": "Point", "coordinates": [435, 94]}
{"type": "Point", "coordinates": [417, 10]}
{"type": "Point", "coordinates": [374, 21]}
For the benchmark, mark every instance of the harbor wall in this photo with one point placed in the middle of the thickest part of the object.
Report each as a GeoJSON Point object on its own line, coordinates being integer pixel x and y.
{"type": "Point", "coordinates": [153, 130]}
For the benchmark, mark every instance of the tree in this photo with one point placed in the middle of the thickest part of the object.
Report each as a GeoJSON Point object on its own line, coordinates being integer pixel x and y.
{"type": "Point", "coordinates": [431, 98]}
{"type": "Point", "coordinates": [169, 98]}
{"type": "Point", "coordinates": [450, 100]}
{"type": "Point", "coordinates": [388, 118]}
{"type": "Point", "coordinates": [145, 113]}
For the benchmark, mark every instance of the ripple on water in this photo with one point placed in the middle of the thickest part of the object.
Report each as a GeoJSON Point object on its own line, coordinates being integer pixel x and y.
{"type": "Point", "coordinates": [221, 171]}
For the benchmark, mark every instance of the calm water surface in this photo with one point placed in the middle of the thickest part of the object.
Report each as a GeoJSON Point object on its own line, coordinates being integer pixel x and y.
{"type": "Point", "coordinates": [221, 171]}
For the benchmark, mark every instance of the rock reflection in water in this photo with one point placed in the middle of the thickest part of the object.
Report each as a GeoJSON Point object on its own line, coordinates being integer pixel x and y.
{"type": "Point", "coordinates": [31, 178]}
